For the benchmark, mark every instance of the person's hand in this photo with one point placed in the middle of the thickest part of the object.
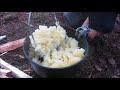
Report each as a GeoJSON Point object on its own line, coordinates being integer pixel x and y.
{"type": "Point", "coordinates": [91, 33]}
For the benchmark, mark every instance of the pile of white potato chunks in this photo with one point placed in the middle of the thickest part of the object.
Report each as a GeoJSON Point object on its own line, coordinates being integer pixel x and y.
{"type": "Point", "coordinates": [55, 47]}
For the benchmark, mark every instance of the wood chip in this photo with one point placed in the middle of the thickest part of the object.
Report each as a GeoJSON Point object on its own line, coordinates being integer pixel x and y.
{"type": "Point", "coordinates": [21, 56]}
{"type": "Point", "coordinates": [4, 73]}
{"type": "Point", "coordinates": [15, 72]}
{"type": "Point", "coordinates": [3, 53]}
{"type": "Point", "coordinates": [2, 37]}
{"type": "Point", "coordinates": [27, 23]}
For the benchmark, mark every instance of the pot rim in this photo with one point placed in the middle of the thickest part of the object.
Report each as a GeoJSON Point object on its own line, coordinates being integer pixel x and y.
{"type": "Point", "coordinates": [30, 60]}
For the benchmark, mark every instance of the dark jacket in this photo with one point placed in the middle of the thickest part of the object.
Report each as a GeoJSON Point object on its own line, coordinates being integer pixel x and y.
{"type": "Point", "coordinates": [101, 21]}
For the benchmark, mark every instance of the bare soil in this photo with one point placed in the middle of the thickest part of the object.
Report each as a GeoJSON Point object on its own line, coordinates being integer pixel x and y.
{"type": "Point", "coordinates": [104, 55]}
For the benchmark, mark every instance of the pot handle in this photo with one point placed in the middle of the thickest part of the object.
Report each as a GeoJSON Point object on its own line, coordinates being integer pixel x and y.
{"type": "Point", "coordinates": [82, 31]}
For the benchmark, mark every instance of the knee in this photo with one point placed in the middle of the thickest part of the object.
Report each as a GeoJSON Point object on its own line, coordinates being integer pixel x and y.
{"type": "Point", "coordinates": [72, 19]}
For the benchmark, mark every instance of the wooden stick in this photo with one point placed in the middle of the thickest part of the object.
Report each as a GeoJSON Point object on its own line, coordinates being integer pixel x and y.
{"type": "Point", "coordinates": [11, 45]}
{"type": "Point", "coordinates": [15, 72]}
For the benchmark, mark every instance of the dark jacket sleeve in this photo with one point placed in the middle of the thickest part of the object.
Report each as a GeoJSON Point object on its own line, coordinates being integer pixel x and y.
{"type": "Point", "coordinates": [102, 21]}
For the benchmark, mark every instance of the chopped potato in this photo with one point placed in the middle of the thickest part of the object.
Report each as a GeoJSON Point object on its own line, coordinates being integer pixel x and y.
{"type": "Point", "coordinates": [57, 49]}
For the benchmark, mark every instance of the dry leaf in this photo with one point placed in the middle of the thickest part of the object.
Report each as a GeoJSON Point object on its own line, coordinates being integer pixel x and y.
{"type": "Point", "coordinates": [112, 62]}
{"type": "Point", "coordinates": [98, 68]}
{"type": "Point", "coordinates": [114, 76]}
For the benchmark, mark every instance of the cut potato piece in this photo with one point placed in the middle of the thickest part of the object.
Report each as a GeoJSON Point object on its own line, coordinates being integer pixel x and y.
{"type": "Point", "coordinates": [57, 49]}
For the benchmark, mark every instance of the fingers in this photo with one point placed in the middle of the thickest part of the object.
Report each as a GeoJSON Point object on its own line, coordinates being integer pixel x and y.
{"type": "Point", "coordinates": [93, 33]}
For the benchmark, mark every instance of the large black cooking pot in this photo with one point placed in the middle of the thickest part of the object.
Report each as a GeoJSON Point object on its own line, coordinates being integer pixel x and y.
{"type": "Point", "coordinates": [65, 72]}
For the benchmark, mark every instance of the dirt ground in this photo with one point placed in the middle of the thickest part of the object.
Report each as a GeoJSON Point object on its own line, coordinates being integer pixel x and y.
{"type": "Point", "coordinates": [104, 55]}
